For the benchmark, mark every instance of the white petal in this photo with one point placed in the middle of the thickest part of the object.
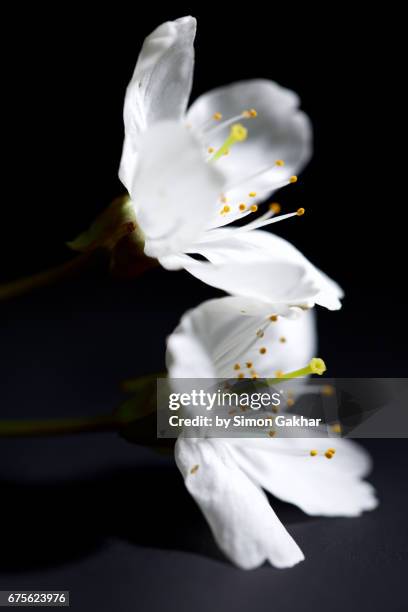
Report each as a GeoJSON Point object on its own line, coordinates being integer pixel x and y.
{"type": "Point", "coordinates": [317, 485]}
{"type": "Point", "coordinates": [188, 355]}
{"type": "Point", "coordinates": [211, 338]}
{"type": "Point", "coordinates": [280, 131]}
{"type": "Point", "coordinates": [173, 262]}
{"type": "Point", "coordinates": [173, 190]}
{"type": "Point", "coordinates": [278, 283]}
{"type": "Point", "coordinates": [205, 328]}
{"type": "Point", "coordinates": [160, 85]}
{"type": "Point", "coordinates": [241, 519]}
{"type": "Point", "coordinates": [236, 248]}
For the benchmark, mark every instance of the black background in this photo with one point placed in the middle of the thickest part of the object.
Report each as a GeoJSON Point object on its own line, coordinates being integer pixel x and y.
{"type": "Point", "coordinates": [81, 512]}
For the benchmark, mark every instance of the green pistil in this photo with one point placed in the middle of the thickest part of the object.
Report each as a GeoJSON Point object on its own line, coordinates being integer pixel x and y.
{"type": "Point", "coordinates": [315, 366]}
{"type": "Point", "coordinates": [238, 133]}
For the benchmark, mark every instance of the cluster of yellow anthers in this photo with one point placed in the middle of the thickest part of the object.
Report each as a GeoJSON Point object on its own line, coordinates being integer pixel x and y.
{"type": "Point", "coordinates": [329, 454]}
{"type": "Point", "coordinates": [262, 351]}
{"type": "Point", "coordinates": [249, 365]}
{"type": "Point", "coordinates": [249, 113]}
{"type": "Point", "coordinates": [239, 133]}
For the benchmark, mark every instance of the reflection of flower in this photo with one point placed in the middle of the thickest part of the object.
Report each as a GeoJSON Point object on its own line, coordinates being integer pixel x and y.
{"type": "Point", "coordinates": [184, 188]}
{"type": "Point", "coordinates": [226, 477]}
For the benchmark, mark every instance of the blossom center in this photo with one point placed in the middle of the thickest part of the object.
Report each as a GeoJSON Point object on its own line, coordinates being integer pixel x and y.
{"type": "Point", "coordinates": [238, 133]}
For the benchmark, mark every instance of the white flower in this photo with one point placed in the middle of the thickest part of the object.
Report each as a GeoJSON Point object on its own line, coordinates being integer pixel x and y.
{"type": "Point", "coordinates": [184, 188]}
{"type": "Point", "coordinates": [227, 477]}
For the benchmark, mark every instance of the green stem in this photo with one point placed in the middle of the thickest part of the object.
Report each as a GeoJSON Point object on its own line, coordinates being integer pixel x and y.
{"type": "Point", "coordinates": [65, 270]}
{"type": "Point", "coordinates": [46, 427]}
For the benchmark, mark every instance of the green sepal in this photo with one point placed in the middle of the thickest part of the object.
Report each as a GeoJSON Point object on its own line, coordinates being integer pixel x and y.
{"type": "Point", "coordinates": [116, 230]}
{"type": "Point", "coordinates": [138, 414]}
{"type": "Point", "coordinates": [115, 222]}
{"type": "Point", "coordinates": [142, 401]}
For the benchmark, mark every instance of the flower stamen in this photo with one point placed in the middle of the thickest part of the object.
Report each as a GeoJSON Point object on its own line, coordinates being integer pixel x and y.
{"type": "Point", "coordinates": [251, 113]}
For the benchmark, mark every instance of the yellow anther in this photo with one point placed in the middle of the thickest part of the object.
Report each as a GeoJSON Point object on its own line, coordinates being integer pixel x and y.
{"type": "Point", "coordinates": [252, 372]}
{"type": "Point", "coordinates": [211, 149]}
{"type": "Point", "coordinates": [328, 454]}
{"type": "Point", "coordinates": [223, 199]}
{"type": "Point", "coordinates": [275, 409]}
{"type": "Point", "coordinates": [279, 373]}
{"type": "Point", "coordinates": [254, 376]}
{"type": "Point", "coordinates": [217, 116]}
{"type": "Point", "coordinates": [271, 433]}
{"type": "Point", "coordinates": [273, 318]}
{"type": "Point", "coordinates": [279, 162]}
{"type": "Point", "coordinates": [313, 453]}
{"type": "Point", "coordinates": [194, 469]}
{"type": "Point", "coordinates": [290, 402]}
{"type": "Point", "coordinates": [282, 339]}
{"type": "Point", "coordinates": [242, 207]}
{"type": "Point", "coordinates": [232, 412]}
{"type": "Point", "coordinates": [226, 152]}
{"type": "Point", "coordinates": [237, 366]}
{"type": "Point", "coordinates": [225, 210]}
{"type": "Point", "coordinates": [336, 428]}
{"type": "Point", "coordinates": [241, 375]}
{"type": "Point", "coordinates": [262, 350]}
{"type": "Point", "coordinates": [260, 333]}
{"type": "Point", "coordinates": [331, 450]}
{"type": "Point", "coordinates": [328, 390]}
{"type": "Point", "coordinates": [252, 194]}
{"type": "Point", "coordinates": [249, 364]}
{"type": "Point", "coordinates": [293, 179]}
{"type": "Point", "coordinates": [275, 207]}
{"type": "Point", "coordinates": [300, 212]}
{"type": "Point", "coordinates": [250, 113]}
{"type": "Point", "coordinates": [253, 208]}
